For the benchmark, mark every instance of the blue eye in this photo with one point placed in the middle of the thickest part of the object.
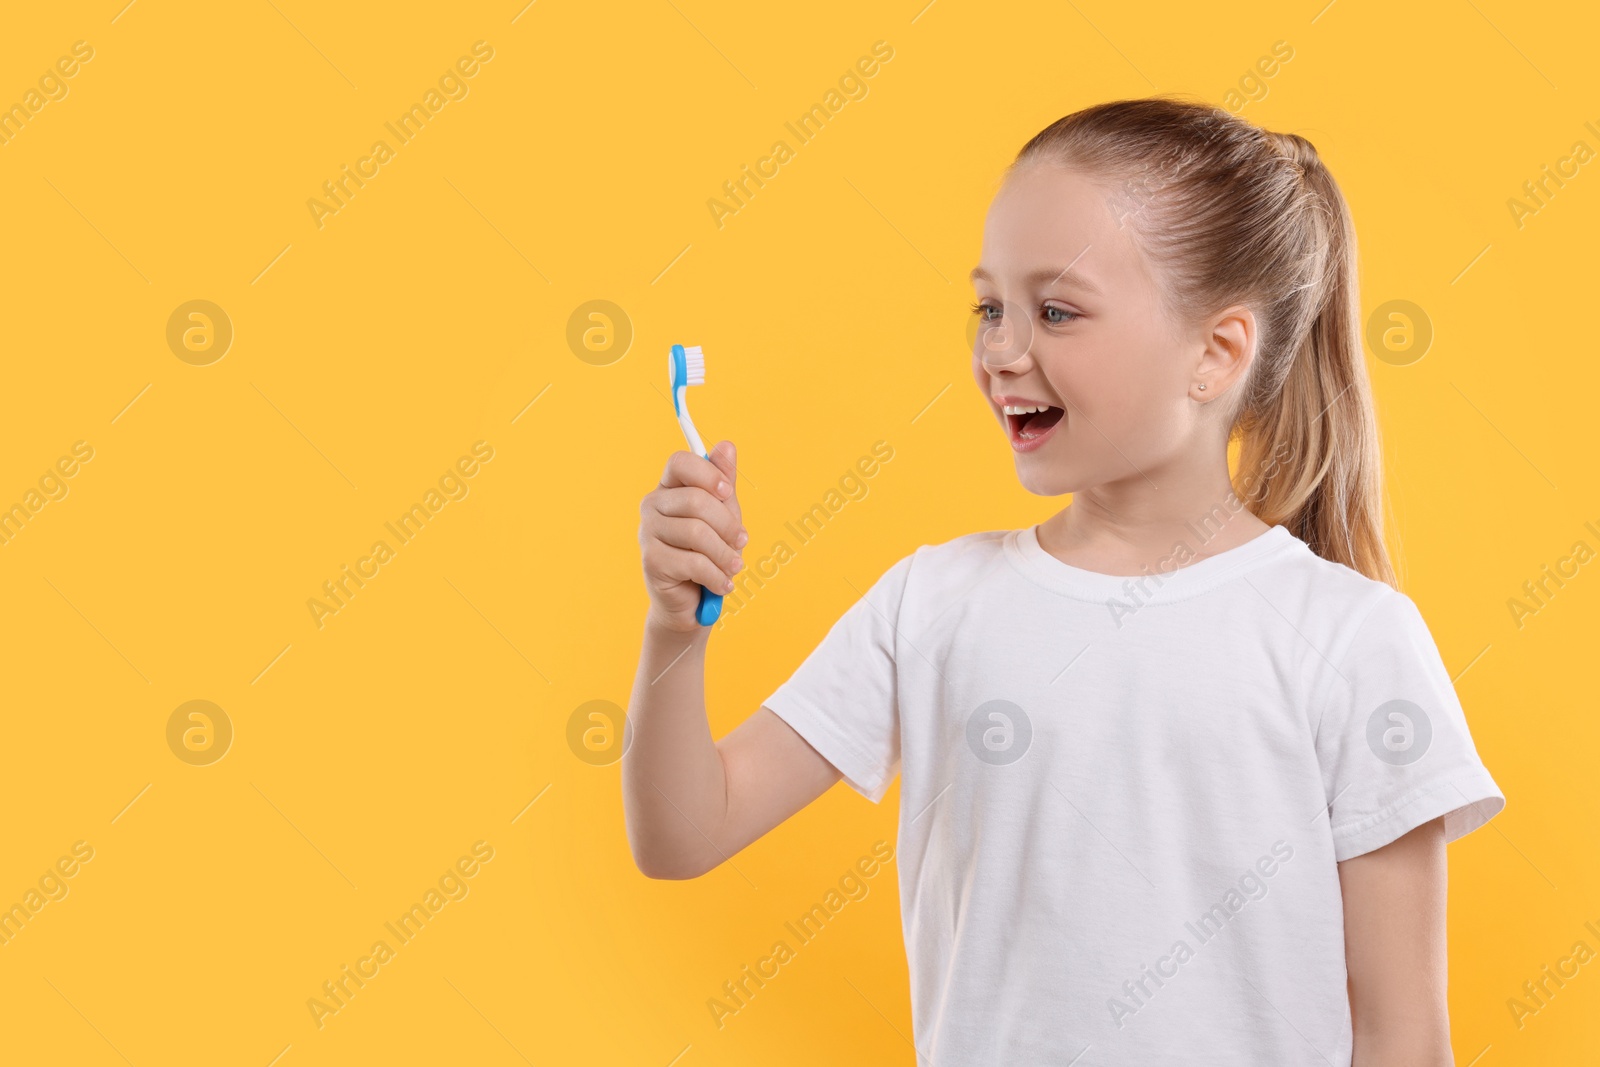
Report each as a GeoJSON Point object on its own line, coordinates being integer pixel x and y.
{"type": "Point", "coordinates": [980, 308]}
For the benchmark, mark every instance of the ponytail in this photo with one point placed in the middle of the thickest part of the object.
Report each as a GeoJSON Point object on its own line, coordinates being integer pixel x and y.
{"type": "Point", "coordinates": [1319, 436]}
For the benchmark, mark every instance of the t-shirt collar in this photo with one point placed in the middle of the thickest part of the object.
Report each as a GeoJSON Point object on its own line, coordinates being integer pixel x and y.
{"type": "Point", "coordinates": [1170, 578]}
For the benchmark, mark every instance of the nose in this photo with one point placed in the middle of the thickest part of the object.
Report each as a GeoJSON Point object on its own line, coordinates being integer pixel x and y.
{"type": "Point", "coordinates": [1006, 345]}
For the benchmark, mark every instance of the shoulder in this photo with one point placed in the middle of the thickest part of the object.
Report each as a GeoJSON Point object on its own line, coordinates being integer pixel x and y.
{"type": "Point", "coordinates": [1332, 601]}
{"type": "Point", "coordinates": [932, 569]}
{"type": "Point", "coordinates": [962, 551]}
{"type": "Point", "coordinates": [958, 557]}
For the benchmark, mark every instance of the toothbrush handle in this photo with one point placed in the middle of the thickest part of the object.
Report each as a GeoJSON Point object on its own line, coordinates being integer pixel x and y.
{"type": "Point", "coordinates": [710, 606]}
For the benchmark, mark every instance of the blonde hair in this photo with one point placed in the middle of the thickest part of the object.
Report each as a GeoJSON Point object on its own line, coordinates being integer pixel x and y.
{"type": "Point", "coordinates": [1230, 213]}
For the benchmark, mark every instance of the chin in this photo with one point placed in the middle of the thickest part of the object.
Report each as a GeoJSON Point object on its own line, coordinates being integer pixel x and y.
{"type": "Point", "coordinates": [1040, 480]}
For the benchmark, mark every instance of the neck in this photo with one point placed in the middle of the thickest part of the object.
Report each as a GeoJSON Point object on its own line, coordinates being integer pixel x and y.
{"type": "Point", "coordinates": [1121, 526]}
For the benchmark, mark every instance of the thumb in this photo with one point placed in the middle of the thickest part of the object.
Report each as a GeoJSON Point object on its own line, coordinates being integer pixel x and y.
{"type": "Point", "coordinates": [725, 458]}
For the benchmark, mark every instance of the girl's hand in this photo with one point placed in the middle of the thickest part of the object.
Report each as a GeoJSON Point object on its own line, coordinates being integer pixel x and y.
{"type": "Point", "coordinates": [690, 533]}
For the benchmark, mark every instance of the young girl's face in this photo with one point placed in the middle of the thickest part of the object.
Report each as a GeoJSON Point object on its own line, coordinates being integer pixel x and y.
{"type": "Point", "coordinates": [1069, 318]}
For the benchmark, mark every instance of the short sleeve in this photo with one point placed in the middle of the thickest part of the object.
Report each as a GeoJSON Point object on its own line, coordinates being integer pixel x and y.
{"type": "Point", "coordinates": [843, 699]}
{"type": "Point", "coordinates": [1393, 740]}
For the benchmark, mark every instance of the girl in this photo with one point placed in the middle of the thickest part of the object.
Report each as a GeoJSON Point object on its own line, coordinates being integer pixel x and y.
{"type": "Point", "coordinates": [1180, 762]}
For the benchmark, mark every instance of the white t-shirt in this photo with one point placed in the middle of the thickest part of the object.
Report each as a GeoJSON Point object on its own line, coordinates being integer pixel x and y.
{"type": "Point", "coordinates": [1123, 800]}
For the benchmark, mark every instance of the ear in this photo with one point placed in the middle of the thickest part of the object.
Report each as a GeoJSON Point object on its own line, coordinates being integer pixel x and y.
{"type": "Point", "coordinates": [1229, 349]}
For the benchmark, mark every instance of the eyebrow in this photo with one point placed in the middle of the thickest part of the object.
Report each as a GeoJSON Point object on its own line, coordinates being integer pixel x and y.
{"type": "Point", "coordinates": [1046, 274]}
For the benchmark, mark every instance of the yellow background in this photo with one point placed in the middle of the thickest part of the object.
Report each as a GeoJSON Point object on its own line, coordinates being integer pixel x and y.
{"type": "Point", "coordinates": [368, 354]}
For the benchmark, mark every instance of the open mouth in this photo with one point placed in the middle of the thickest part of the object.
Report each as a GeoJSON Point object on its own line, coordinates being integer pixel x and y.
{"type": "Point", "coordinates": [1029, 427]}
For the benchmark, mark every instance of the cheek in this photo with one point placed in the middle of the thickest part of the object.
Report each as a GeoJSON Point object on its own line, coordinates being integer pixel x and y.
{"type": "Point", "coordinates": [1130, 412]}
{"type": "Point", "coordinates": [1140, 408]}
{"type": "Point", "coordinates": [1115, 408]}
{"type": "Point", "coordinates": [1083, 378]}
{"type": "Point", "coordinates": [1120, 381]}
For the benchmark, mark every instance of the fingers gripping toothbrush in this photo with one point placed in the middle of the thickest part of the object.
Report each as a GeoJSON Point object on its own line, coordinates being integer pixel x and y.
{"type": "Point", "coordinates": [686, 367]}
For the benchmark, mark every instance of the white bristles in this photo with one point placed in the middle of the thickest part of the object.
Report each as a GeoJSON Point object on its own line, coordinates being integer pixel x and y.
{"type": "Point", "coordinates": [695, 361]}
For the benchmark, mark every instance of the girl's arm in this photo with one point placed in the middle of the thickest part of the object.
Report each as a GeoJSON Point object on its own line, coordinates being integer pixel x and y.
{"type": "Point", "coordinates": [691, 803]}
{"type": "Point", "coordinates": [1395, 951]}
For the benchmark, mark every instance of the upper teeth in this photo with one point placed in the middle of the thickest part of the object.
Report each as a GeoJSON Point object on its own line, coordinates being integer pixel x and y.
{"type": "Point", "coordinates": [1021, 409]}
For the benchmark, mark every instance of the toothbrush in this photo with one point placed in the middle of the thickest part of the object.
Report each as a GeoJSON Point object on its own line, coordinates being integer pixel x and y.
{"type": "Point", "coordinates": [686, 367]}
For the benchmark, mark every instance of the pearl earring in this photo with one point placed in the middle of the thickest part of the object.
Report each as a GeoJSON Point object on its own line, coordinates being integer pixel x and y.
{"type": "Point", "coordinates": [1202, 385]}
